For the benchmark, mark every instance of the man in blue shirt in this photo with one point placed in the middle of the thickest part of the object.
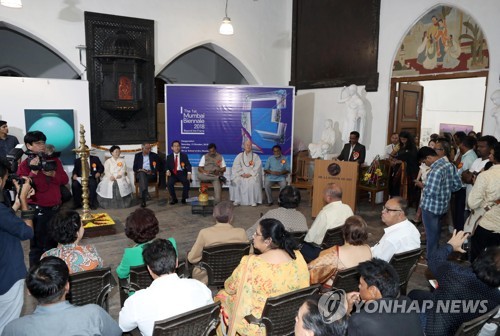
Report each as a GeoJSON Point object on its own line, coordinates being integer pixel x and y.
{"type": "Point", "coordinates": [48, 283]}
{"type": "Point", "coordinates": [442, 180]}
{"type": "Point", "coordinates": [276, 169]}
{"type": "Point", "coordinates": [12, 231]}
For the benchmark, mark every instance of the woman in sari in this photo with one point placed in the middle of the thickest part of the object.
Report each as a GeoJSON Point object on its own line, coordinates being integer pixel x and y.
{"type": "Point", "coordinates": [279, 269]}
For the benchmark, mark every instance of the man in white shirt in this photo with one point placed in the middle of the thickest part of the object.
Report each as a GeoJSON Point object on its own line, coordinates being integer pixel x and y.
{"type": "Point", "coordinates": [400, 235]}
{"type": "Point", "coordinates": [333, 215]}
{"type": "Point", "coordinates": [167, 296]}
{"type": "Point", "coordinates": [390, 147]}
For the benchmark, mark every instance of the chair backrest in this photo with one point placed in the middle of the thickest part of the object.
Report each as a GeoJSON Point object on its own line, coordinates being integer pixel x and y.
{"type": "Point", "coordinates": [304, 172]}
{"type": "Point", "coordinates": [347, 279]}
{"type": "Point", "coordinates": [200, 321]}
{"type": "Point", "coordinates": [220, 261]}
{"type": "Point", "coordinates": [278, 315]}
{"type": "Point", "coordinates": [472, 327]}
{"type": "Point", "coordinates": [298, 236]}
{"type": "Point", "coordinates": [333, 237]}
{"type": "Point", "coordinates": [139, 278]}
{"type": "Point", "coordinates": [405, 263]}
{"type": "Point", "coordinates": [91, 287]}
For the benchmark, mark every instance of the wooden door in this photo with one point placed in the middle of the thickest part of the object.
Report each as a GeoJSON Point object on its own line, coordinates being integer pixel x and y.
{"type": "Point", "coordinates": [406, 108]}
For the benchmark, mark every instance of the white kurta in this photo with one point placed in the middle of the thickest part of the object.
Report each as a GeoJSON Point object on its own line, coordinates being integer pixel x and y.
{"type": "Point", "coordinates": [246, 191]}
{"type": "Point", "coordinates": [114, 168]}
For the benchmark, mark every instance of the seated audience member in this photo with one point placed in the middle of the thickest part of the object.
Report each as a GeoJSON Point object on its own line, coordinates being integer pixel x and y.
{"type": "Point", "coordinates": [221, 233]}
{"type": "Point", "coordinates": [333, 214]}
{"type": "Point", "coordinates": [486, 192]}
{"type": "Point", "coordinates": [212, 165]}
{"type": "Point", "coordinates": [142, 227]}
{"type": "Point", "coordinates": [246, 177]}
{"type": "Point", "coordinates": [287, 213]}
{"type": "Point", "coordinates": [355, 250]}
{"type": "Point", "coordinates": [380, 310]}
{"type": "Point", "coordinates": [310, 321]}
{"type": "Point", "coordinates": [400, 235]}
{"type": "Point", "coordinates": [67, 230]}
{"type": "Point", "coordinates": [477, 285]}
{"type": "Point", "coordinates": [353, 151]}
{"type": "Point", "coordinates": [95, 171]}
{"type": "Point", "coordinates": [277, 270]}
{"type": "Point", "coordinates": [276, 170]}
{"type": "Point", "coordinates": [115, 190]}
{"type": "Point", "coordinates": [167, 296]}
{"type": "Point", "coordinates": [178, 169]}
{"type": "Point", "coordinates": [146, 166]}
{"type": "Point", "coordinates": [48, 283]}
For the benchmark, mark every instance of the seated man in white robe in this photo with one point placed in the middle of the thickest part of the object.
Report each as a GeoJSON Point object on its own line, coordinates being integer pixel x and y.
{"type": "Point", "coordinates": [246, 178]}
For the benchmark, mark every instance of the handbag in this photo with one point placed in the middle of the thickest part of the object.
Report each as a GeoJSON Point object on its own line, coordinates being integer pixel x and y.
{"type": "Point", "coordinates": [476, 215]}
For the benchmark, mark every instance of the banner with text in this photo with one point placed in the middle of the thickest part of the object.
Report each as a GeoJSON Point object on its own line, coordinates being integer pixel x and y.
{"type": "Point", "coordinates": [198, 115]}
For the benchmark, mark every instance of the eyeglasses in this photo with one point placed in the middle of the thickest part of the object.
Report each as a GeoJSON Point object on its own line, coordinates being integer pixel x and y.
{"type": "Point", "coordinates": [439, 149]}
{"type": "Point", "coordinates": [387, 209]}
{"type": "Point", "coordinates": [256, 234]}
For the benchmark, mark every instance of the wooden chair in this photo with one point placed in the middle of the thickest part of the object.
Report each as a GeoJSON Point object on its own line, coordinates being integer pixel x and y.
{"type": "Point", "coordinates": [201, 321]}
{"type": "Point", "coordinates": [333, 237]}
{"type": "Point", "coordinates": [473, 327]}
{"type": "Point", "coordinates": [91, 287]}
{"type": "Point", "coordinates": [381, 185]}
{"type": "Point", "coordinates": [347, 279]}
{"type": "Point", "coordinates": [405, 263]}
{"type": "Point", "coordinates": [219, 261]}
{"type": "Point", "coordinates": [302, 175]}
{"type": "Point", "coordinates": [278, 315]}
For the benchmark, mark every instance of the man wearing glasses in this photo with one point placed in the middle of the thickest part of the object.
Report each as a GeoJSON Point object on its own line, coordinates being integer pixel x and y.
{"type": "Point", "coordinates": [400, 235]}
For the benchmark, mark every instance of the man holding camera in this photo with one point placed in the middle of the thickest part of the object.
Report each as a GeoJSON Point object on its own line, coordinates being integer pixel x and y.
{"type": "Point", "coordinates": [12, 231]}
{"type": "Point", "coordinates": [47, 176]}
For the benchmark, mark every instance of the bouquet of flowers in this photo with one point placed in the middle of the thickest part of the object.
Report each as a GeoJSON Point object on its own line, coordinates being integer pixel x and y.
{"type": "Point", "coordinates": [373, 174]}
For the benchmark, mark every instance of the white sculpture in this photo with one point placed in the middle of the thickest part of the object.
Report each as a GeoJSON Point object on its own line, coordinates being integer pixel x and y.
{"type": "Point", "coordinates": [325, 144]}
{"type": "Point", "coordinates": [495, 98]}
{"type": "Point", "coordinates": [355, 112]}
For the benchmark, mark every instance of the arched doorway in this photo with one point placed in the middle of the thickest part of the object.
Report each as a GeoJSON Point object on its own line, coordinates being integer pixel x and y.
{"type": "Point", "coordinates": [445, 49]}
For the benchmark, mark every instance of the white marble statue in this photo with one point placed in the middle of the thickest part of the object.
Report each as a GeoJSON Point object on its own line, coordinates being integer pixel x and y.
{"type": "Point", "coordinates": [495, 112]}
{"type": "Point", "coordinates": [355, 112]}
{"type": "Point", "coordinates": [325, 144]}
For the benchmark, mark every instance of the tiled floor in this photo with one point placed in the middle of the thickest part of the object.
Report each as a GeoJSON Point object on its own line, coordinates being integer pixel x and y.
{"type": "Point", "coordinates": [178, 222]}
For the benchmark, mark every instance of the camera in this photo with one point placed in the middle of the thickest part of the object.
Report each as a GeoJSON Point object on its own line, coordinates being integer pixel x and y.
{"type": "Point", "coordinates": [46, 162]}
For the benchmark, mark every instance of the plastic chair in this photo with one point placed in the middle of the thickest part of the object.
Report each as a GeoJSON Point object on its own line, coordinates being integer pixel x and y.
{"type": "Point", "coordinates": [278, 315]}
{"type": "Point", "coordinates": [200, 321]}
{"type": "Point", "coordinates": [472, 327]}
{"type": "Point", "coordinates": [405, 263]}
{"type": "Point", "coordinates": [333, 237]}
{"type": "Point", "coordinates": [347, 279]}
{"type": "Point", "coordinates": [91, 286]}
{"type": "Point", "coordinates": [219, 261]}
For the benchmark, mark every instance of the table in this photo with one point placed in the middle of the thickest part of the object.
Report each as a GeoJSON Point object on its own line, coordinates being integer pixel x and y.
{"type": "Point", "coordinates": [202, 208]}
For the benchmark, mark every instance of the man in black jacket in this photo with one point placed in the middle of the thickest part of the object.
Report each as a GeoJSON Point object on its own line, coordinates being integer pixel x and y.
{"type": "Point", "coordinates": [353, 151]}
{"type": "Point", "coordinates": [178, 170]}
{"type": "Point", "coordinates": [146, 165]}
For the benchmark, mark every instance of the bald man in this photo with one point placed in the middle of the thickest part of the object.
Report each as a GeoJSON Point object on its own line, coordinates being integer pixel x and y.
{"type": "Point", "coordinates": [333, 215]}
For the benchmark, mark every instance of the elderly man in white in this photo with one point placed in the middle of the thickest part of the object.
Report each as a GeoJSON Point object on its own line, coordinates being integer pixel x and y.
{"type": "Point", "coordinates": [333, 215]}
{"type": "Point", "coordinates": [400, 236]}
{"type": "Point", "coordinates": [246, 178]}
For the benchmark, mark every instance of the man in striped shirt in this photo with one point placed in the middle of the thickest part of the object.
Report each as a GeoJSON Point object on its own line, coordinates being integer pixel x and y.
{"type": "Point", "coordinates": [442, 180]}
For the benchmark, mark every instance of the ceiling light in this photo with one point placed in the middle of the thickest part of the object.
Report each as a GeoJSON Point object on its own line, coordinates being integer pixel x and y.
{"type": "Point", "coordinates": [226, 28]}
{"type": "Point", "coordinates": [11, 3]}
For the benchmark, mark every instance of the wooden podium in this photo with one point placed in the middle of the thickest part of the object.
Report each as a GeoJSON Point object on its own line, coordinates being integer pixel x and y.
{"type": "Point", "coordinates": [342, 173]}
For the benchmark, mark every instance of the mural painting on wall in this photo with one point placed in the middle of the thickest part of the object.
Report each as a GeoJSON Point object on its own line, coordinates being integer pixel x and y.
{"type": "Point", "coordinates": [443, 40]}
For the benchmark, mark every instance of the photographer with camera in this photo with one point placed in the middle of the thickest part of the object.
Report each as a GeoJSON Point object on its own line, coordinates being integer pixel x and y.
{"type": "Point", "coordinates": [47, 175]}
{"type": "Point", "coordinates": [12, 231]}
